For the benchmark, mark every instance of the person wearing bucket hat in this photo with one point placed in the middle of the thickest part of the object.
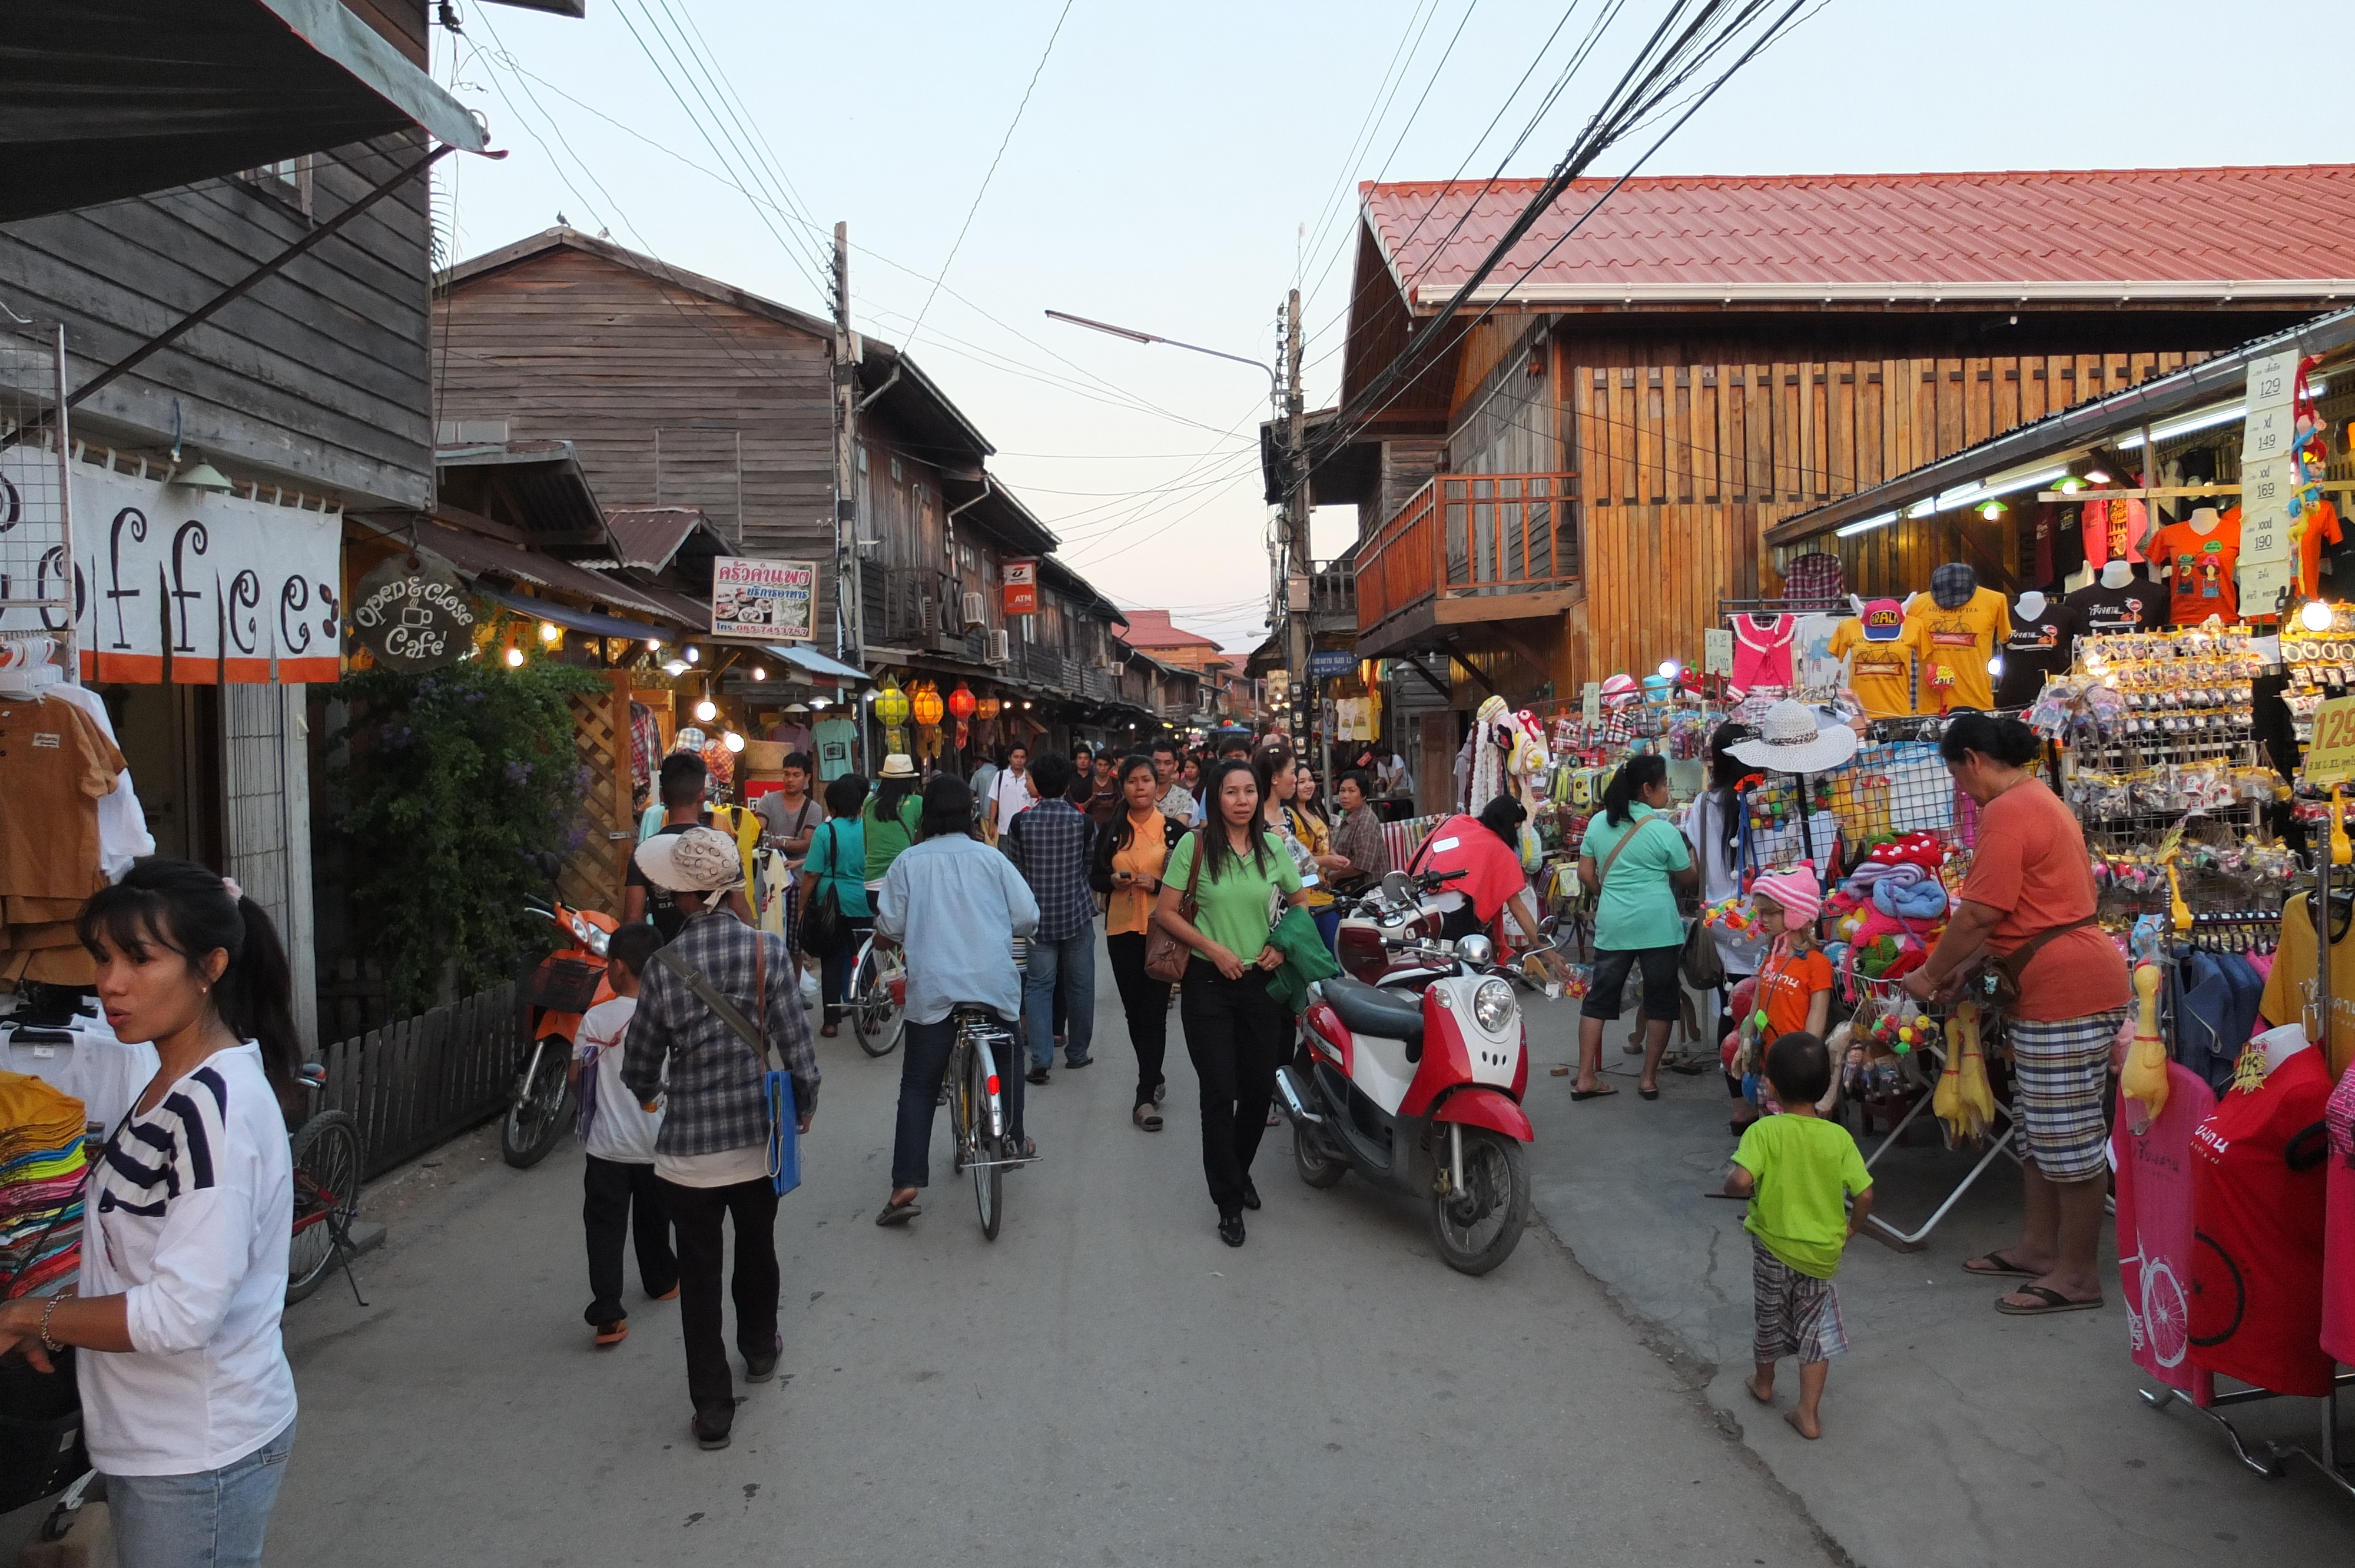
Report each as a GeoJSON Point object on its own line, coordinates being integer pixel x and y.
{"type": "Point", "coordinates": [1792, 738]}
{"type": "Point", "coordinates": [891, 814]}
{"type": "Point", "coordinates": [711, 1155]}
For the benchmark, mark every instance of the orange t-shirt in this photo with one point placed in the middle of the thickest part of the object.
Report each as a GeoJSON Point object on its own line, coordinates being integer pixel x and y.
{"type": "Point", "coordinates": [2031, 864]}
{"type": "Point", "coordinates": [1786, 986]}
{"type": "Point", "coordinates": [2203, 566]}
{"type": "Point", "coordinates": [2321, 528]}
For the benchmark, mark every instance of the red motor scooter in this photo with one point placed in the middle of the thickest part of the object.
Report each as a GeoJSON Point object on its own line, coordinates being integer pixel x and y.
{"type": "Point", "coordinates": [565, 985]}
{"type": "Point", "coordinates": [1416, 1084]}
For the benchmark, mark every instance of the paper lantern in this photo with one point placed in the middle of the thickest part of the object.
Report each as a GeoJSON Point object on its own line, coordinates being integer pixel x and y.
{"type": "Point", "coordinates": [961, 703]}
{"type": "Point", "coordinates": [987, 708]}
{"type": "Point", "coordinates": [892, 706]}
{"type": "Point", "coordinates": [927, 705]}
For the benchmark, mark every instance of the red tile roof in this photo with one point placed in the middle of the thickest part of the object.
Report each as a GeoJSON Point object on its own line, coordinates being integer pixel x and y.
{"type": "Point", "coordinates": [2276, 231]}
{"type": "Point", "coordinates": [1150, 629]}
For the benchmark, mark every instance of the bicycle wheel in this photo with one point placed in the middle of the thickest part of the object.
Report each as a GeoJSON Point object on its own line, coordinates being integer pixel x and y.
{"type": "Point", "coordinates": [988, 1174]}
{"type": "Point", "coordinates": [960, 1112]}
{"type": "Point", "coordinates": [877, 1017]}
{"type": "Point", "coordinates": [327, 1165]}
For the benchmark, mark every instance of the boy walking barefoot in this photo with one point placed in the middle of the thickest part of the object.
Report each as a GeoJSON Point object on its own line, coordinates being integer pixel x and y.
{"type": "Point", "coordinates": [618, 1184]}
{"type": "Point", "coordinates": [1793, 1168]}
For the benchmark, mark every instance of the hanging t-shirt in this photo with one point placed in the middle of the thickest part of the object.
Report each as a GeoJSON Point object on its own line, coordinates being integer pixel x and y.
{"type": "Point", "coordinates": [2203, 566]}
{"type": "Point", "coordinates": [2257, 1201]}
{"type": "Point", "coordinates": [2321, 528]}
{"type": "Point", "coordinates": [2138, 607]}
{"type": "Point", "coordinates": [58, 767]}
{"type": "Point", "coordinates": [2038, 648]}
{"type": "Point", "coordinates": [1880, 673]}
{"type": "Point", "coordinates": [836, 740]}
{"type": "Point", "coordinates": [2290, 989]}
{"type": "Point", "coordinates": [1761, 655]}
{"type": "Point", "coordinates": [1953, 647]}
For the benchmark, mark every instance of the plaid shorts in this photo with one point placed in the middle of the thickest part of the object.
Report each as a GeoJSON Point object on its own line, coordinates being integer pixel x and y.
{"type": "Point", "coordinates": [1798, 1315]}
{"type": "Point", "coordinates": [2061, 1072]}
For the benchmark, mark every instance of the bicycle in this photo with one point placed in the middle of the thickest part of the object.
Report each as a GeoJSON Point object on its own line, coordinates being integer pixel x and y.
{"type": "Point", "coordinates": [328, 1163]}
{"type": "Point", "coordinates": [876, 996]}
{"type": "Point", "coordinates": [977, 1112]}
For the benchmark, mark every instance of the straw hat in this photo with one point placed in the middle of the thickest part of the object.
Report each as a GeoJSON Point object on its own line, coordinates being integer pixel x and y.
{"type": "Point", "coordinates": [1792, 740]}
{"type": "Point", "coordinates": [898, 765]}
{"type": "Point", "coordinates": [700, 859]}
{"type": "Point", "coordinates": [802, 708]}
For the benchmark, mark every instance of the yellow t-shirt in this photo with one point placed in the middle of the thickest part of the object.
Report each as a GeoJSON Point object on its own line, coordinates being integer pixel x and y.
{"type": "Point", "coordinates": [1880, 673]}
{"type": "Point", "coordinates": [1954, 646]}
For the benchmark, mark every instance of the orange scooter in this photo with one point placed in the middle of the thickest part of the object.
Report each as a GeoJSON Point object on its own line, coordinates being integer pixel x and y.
{"type": "Point", "coordinates": [560, 988]}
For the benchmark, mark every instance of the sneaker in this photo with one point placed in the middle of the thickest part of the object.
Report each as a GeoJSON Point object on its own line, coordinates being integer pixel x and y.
{"type": "Point", "coordinates": [760, 1369]}
{"type": "Point", "coordinates": [611, 1334]}
{"type": "Point", "coordinates": [1077, 1061]}
{"type": "Point", "coordinates": [1037, 1074]}
{"type": "Point", "coordinates": [712, 1434]}
{"type": "Point", "coordinates": [1250, 1195]}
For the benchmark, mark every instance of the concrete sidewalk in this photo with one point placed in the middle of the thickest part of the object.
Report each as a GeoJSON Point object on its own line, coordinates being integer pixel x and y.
{"type": "Point", "coordinates": [1953, 1435]}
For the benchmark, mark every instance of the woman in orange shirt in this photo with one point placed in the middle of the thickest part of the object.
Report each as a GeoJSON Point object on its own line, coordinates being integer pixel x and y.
{"type": "Point", "coordinates": [1126, 869]}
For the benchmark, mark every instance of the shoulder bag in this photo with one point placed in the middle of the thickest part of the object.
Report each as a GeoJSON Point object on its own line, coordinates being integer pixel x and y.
{"type": "Point", "coordinates": [1166, 957]}
{"type": "Point", "coordinates": [821, 931]}
{"type": "Point", "coordinates": [1995, 981]}
{"type": "Point", "coordinates": [785, 1154]}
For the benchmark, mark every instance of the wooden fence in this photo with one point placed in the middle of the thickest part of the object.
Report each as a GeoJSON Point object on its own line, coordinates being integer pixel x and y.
{"type": "Point", "coordinates": [415, 1083]}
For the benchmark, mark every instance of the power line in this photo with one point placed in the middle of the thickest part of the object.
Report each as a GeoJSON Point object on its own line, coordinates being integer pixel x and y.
{"type": "Point", "coordinates": [991, 173]}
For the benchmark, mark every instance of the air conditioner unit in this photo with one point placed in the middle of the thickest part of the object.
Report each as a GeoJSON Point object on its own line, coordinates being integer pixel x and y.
{"type": "Point", "coordinates": [972, 615]}
{"type": "Point", "coordinates": [999, 653]}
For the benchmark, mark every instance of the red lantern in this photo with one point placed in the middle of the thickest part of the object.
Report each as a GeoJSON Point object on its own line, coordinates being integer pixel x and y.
{"type": "Point", "coordinates": [961, 702]}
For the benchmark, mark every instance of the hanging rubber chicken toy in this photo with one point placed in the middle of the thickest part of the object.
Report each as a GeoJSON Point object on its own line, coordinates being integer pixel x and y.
{"type": "Point", "coordinates": [1964, 1100]}
{"type": "Point", "coordinates": [2144, 1082]}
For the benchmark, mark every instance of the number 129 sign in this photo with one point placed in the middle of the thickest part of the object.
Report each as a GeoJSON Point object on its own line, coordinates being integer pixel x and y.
{"type": "Point", "coordinates": [2331, 757]}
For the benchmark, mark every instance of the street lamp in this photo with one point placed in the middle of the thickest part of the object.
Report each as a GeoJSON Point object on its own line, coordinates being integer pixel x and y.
{"type": "Point", "coordinates": [1274, 384]}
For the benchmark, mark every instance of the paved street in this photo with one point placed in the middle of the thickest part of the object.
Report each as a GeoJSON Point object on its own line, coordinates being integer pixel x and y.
{"type": "Point", "coordinates": [1104, 1384]}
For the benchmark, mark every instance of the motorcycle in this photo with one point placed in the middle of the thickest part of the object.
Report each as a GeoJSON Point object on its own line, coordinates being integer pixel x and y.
{"type": "Point", "coordinates": [564, 985]}
{"type": "Point", "coordinates": [1399, 906]}
{"type": "Point", "coordinates": [1416, 1084]}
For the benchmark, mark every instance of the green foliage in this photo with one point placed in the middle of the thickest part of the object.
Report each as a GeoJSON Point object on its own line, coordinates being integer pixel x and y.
{"type": "Point", "coordinates": [459, 784]}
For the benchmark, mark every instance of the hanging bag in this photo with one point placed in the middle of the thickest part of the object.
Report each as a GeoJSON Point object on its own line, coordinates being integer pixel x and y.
{"type": "Point", "coordinates": [822, 927]}
{"type": "Point", "coordinates": [784, 1155]}
{"type": "Point", "coordinates": [1166, 957]}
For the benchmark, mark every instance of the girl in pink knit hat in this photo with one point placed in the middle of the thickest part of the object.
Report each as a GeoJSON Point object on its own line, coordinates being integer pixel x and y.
{"type": "Point", "coordinates": [1794, 983]}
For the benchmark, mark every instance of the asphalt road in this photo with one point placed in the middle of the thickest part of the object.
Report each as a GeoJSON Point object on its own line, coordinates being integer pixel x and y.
{"type": "Point", "coordinates": [1104, 1384]}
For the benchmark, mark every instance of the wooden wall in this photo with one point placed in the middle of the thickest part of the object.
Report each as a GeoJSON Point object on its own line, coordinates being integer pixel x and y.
{"type": "Point", "coordinates": [320, 373]}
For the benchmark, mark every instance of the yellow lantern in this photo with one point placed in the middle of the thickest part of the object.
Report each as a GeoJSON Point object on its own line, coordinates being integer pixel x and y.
{"type": "Point", "coordinates": [986, 708]}
{"type": "Point", "coordinates": [927, 705]}
{"type": "Point", "coordinates": [891, 706]}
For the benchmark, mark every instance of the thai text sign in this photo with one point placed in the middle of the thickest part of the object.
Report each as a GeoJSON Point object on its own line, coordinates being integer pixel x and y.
{"type": "Point", "coordinates": [1021, 588]}
{"type": "Point", "coordinates": [766, 599]}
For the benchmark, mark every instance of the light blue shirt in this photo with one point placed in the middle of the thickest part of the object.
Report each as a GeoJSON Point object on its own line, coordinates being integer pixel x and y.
{"type": "Point", "coordinates": [955, 906]}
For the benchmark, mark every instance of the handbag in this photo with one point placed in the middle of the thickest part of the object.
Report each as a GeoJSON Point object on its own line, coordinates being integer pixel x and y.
{"type": "Point", "coordinates": [821, 930]}
{"type": "Point", "coordinates": [1995, 981]}
{"type": "Point", "coordinates": [1166, 957]}
{"type": "Point", "coordinates": [784, 1161]}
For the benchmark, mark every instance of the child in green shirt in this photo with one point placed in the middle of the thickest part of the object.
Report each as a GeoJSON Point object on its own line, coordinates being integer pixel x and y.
{"type": "Point", "coordinates": [1794, 1169]}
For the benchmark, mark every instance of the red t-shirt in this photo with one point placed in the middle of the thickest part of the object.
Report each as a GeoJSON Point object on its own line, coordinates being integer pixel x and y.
{"type": "Point", "coordinates": [1493, 869]}
{"type": "Point", "coordinates": [1787, 985]}
{"type": "Point", "coordinates": [2256, 1271]}
{"type": "Point", "coordinates": [2031, 864]}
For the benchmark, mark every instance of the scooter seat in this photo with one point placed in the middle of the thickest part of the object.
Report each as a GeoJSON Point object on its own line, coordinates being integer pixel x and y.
{"type": "Point", "coordinates": [1370, 1010]}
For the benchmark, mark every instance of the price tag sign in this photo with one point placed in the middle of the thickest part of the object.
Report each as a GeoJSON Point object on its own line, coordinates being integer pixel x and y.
{"type": "Point", "coordinates": [2262, 583]}
{"type": "Point", "coordinates": [1594, 702]}
{"type": "Point", "coordinates": [2265, 489]}
{"type": "Point", "coordinates": [1717, 651]}
{"type": "Point", "coordinates": [2330, 755]}
{"type": "Point", "coordinates": [2271, 381]}
{"type": "Point", "coordinates": [2269, 435]}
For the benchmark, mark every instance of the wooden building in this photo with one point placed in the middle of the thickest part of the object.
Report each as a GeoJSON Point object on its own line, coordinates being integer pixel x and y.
{"type": "Point", "coordinates": [1573, 482]}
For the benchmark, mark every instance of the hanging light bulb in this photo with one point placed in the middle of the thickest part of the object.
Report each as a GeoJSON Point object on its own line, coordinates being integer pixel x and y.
{"type": "Point", "coordinates": [760, 672]}
{"type": "Point", "coordinates": [693, 655]}
{"type": "Point", "coordinates": [1668, 668]}
{"type": "Point", "coordinates": [732, 741]}
{"type": "Point", "coordinates": [1992, 510]}
{"type": "Point", "coordinates": [551, 632]}
{"type": "Point", "coordinates": [515, 658]}
{"type": "Point", "coordinates": [675, 669]}
{"type": "Point", "coordinates": [653, 644]}
{"type": "Point", "coordinates": [706, 711]}
{"type": "Point", "coordinates": [2097, 476]}
{"type": "Point", "coordinates": [2314, 615]}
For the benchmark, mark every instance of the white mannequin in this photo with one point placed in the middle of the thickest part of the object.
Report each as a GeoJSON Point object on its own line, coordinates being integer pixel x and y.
{"type": "Point", "coordinates": [2031, 604]}
{"type": "Point", "coordinates": [2116, 574]}
{"type": "Point", "coordinates": [2204, 520]}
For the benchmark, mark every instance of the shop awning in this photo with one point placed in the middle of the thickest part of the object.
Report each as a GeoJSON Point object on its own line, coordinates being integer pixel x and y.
{"type": "Point", "coordinates": [564, 615]}
{"type": "Point", "coordinates": [474, 555]}
{"type": "Point", "coordinates": [2016, 454]}
{"type": "Point", "coordinates": [106, 99]}
{"type": "Point", "coordinates": [809, 661]}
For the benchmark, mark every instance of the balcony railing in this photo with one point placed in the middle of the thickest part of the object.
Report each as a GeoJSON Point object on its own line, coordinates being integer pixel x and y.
{"type": "Point", "coordinates": [1470, 536]}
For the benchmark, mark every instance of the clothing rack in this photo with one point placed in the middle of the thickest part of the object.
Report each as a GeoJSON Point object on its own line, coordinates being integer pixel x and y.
{"type": "Point", "coordinates": [1729, 608]}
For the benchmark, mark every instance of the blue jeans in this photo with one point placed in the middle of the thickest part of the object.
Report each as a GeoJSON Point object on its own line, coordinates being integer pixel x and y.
{"type": "Point", "coordinates": [210, 1519]}
{"type": "Point", "coordinates": [1071, 961]}
{"type": "Point", "coordinates": [1328, 926]}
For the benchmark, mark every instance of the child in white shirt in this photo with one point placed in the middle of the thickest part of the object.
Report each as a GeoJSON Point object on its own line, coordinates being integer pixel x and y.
{"type": "Point", "coordinates": [618, 1136]}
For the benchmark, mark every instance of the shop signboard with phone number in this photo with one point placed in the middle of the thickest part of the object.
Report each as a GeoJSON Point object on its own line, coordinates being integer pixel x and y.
{"type": "Point", "coordinates": [2330, 754]}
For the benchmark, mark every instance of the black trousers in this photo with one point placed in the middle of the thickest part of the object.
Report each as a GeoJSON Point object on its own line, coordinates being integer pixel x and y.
{"type": "Point", "coordinates": [924, 1066]}
{"type": "Point", "coordinates": [696, 1212]}
{"type": "Point", "coordinates": [612, 1195]}
{"type": "Point", "coordinates": [1145, 1002]}
{"type": "Point", "coordinates": [1236, 1033]}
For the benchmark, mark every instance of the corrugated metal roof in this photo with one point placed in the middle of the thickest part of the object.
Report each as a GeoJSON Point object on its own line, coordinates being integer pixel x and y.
{"type": "Point", "coordinates": [650, 536]}
{"type": "Point", "coordinates": [1151, 629]}
{"type": "Point", "coordinates": [472, 553]}
{"type": "Point", "coordinates": [2265, 231]}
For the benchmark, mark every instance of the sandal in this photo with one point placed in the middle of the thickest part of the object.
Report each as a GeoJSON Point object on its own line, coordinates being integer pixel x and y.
{"type": "Point", "coordinates": [1147, 1117]}
{"type": "Point", "coordinates": [2004, 1267]}
{"type": "Point", "coordinates": [1590, 1094]}
{"type": "Point", "coordinates": [2052, 1301]}
{"type": "Point", "coordinates": [1647, 1094]}
{"type": "Point", "coordinates": [899, 1214]}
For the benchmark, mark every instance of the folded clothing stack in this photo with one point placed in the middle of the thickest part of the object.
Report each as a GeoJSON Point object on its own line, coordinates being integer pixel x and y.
{"type": "Point", "coordinates": [41, 1170]}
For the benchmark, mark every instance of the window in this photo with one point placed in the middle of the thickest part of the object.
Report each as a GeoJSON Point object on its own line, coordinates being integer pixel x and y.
{"type": "Point", "coordinates": [968, 558]}
{"type": "Point", "coordinates": [895, 469]}
{"type": "Point", "coordinates": [288, 179]}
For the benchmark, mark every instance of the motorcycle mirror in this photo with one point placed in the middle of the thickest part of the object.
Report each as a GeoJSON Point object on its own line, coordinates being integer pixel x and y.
{"type": "Point", "coordinates": [1398, 887]}
{"type": "Point", "coordinates": [1476, 950]}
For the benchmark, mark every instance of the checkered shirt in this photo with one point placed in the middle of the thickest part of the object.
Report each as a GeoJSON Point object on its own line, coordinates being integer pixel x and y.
{"type": "Point", "coordinates": [713, 1099]}
{"type": "Point", "coordinates": [1816, 579]}
{"type": "Point", "coordinates": [1050, 845]}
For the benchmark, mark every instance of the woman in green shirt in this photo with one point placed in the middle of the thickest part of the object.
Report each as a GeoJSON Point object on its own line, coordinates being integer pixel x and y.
{"type": "Point", "coordinates": [1235, 1032]}
{"type": "Point", "coordinates": [1637, 868]}
{"type": "Point", "coordinates": [891, 815]}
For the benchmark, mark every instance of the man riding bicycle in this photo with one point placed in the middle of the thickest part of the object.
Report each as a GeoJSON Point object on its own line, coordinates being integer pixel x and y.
{"type": "Point", "coordinates": [955, 906]}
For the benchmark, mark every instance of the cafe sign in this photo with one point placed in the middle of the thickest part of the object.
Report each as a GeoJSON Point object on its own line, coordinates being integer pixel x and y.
{"type": "Point", "coordinates": [413, 614]}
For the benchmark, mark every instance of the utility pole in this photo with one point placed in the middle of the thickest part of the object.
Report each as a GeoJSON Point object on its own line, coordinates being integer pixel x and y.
{"type": "Point", "coordinates": [850, 623]}
{"type": "Point", "coordinates": [1295, 527]}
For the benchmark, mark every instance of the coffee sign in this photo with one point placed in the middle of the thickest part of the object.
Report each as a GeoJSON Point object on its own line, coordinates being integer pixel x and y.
{"type": "Point", "coordinates": [414, 615]}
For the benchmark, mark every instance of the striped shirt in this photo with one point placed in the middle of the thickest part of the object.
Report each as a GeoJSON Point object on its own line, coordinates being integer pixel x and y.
{"type": "Point", "coordinates": [190, 1209]}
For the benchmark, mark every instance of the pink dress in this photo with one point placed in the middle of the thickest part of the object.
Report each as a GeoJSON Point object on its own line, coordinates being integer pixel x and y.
{"type": "Point", "coordinates": [1761, 655]}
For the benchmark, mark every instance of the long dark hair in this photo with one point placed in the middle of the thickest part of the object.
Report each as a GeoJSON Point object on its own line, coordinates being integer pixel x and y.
{"type": "Point", "coordinates": [891, 795]}
{"type": "Point", "coordinates": [186, 908]}
{"type": "Point", "coordinates": [1636, 775]}
{"type": "Point", "coordinates": [1218, 850]}
{"type": "Point", "coordinates": [948, 809]}
{"type": "Point", "coordinates": [1124, 831]}
{"type": "Point", "coordinates": [1726, 772]}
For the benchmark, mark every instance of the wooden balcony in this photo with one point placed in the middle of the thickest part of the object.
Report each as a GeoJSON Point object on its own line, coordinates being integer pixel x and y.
{"type": "Point", "coordinates": [1469, 547]}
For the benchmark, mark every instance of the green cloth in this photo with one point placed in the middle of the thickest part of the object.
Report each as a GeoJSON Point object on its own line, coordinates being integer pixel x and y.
{"type": "Point", "coordinates": [1306, 959]}
{"type": "Point", "coordinates": [1233, 910]}
{"type": "Point", "coordinates": [1804, 1165]}
{"type": "Point", "coordinates": [837, 858]}
{"type": "Point", "coordinates": [886, 841]}
{"type": "Point", "coordinates": [1638, 908]}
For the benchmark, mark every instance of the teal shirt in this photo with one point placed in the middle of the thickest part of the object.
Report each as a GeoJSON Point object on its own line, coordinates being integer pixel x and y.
{"type": "Point", "coordinates": [1234, 910]}
{"type": "Point", "coordinates": [1638, 908]}
{"type": "Point", "coordinates": [837, 858]}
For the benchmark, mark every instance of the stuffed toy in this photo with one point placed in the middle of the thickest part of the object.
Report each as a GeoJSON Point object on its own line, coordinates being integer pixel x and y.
{"type": "Point", "coordinates": [1917, 903]}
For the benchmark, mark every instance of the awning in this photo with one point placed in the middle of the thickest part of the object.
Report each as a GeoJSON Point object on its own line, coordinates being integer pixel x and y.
{"type": "Point", "coordinates": [105, 98]}
{"type": "Point", "coordinates": [587, 620]}
{"type": "Point", "coordinates": [811, 662]}
{"type": "Point", "coordinates": [473, 553]}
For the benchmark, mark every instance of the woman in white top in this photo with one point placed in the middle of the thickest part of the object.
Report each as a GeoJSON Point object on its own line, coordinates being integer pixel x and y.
{"type": "Point", "coordinates": [1712, 826]}
{"type": "Point", "coordinates": [187, 1401]}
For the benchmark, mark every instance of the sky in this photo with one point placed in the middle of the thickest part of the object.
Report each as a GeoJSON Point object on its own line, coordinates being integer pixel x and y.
{"type": "Point", "coordinates": [1175, 169]}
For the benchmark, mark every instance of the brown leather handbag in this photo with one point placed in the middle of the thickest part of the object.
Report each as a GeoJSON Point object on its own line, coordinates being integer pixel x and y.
{"type": "Point", "coordinates": [1166, 957]}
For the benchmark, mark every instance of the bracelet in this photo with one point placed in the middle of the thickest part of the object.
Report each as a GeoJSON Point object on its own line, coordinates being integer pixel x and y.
{"type": "Point", "coordinates": [47, 1343]}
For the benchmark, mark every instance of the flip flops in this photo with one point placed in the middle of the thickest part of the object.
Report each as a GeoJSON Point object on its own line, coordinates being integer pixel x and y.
{"type": "Point", "coordinates": [1590, 1094]}
{"type": "Point", "coordinates": [899, 1214]}
{"type": "Point", "coordinates": [2004, 1267]}
{"type": "Point", "coordinates": [2052, 1301]}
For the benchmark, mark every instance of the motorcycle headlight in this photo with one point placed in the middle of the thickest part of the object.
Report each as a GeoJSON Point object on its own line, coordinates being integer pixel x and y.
{"type": "Point", "coordinates": [1492, 1006]}
{"type": "Point", "coordinates": [599, 940]}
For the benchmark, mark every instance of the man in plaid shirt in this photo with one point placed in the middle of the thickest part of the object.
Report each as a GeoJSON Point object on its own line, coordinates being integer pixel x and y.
{"type": "Point", "coordinates": [1050, 845]}
{"type": "Point", "coordinates": [711, 1156]}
